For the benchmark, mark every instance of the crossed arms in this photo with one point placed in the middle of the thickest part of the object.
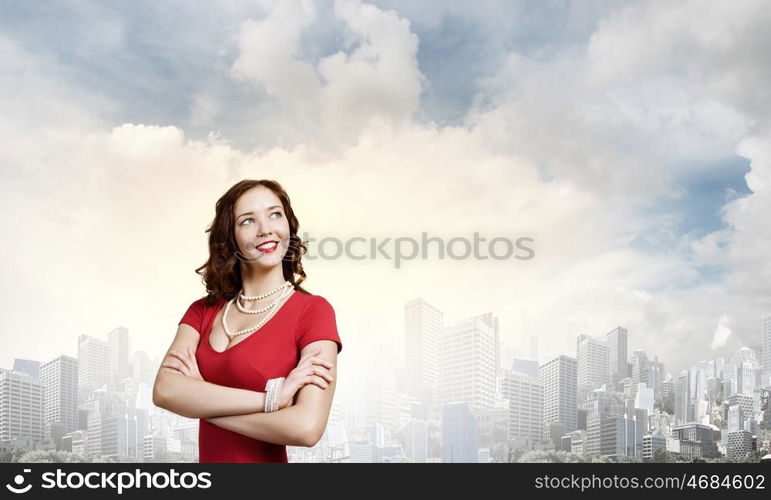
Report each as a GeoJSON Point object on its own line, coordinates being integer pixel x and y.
{"type": "Point", "coordinates": [241, 410]}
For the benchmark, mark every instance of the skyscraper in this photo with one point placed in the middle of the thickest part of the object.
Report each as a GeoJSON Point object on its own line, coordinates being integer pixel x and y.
{"type": "Point", "coordinates": [525, 409]}
{"type": "Point", "coordinates": [598, 405]}
{"type": "Point", "coordinates": [745, 403]}
{"type": "Point", "coordinates": [143, 368]}
{"type": "Point", "coordinates": [683, 413]}
{"type": "Point", "coordinates": [416, 440]}
{"type": "Point", "coordinates": [656, 378]}
{"type": "Point", "coordinates": [742, 371]}
{"type": "Point", "coordinates": [60, 393]}
{"type": "Point", "coordinates": [592, 358]}
{"type": "Point", "coordinates": [735, 418]}
{"type": "Point", "coordinates": [641, 368]}
{"type": "Point", "coordinates": [423, 324]}
{"type": "Point", "coordinates": [559, 383]}
{"type": "Point", "coordinates": [603, 403]}
{"type": "Point", "coordinates": [21, 406]}
{"type": "Point", "coordinates": [620, 436]}
{"type": "Point", "coordinates": [459, 434]}
{"type": "Point", "coordinates": [617, 340]}
{"type": "Point", "coordinates": [467, 361]}
{"type": "Point", "coordinates": [120, 351]}
{"type": "Point", "coordinates": [93, 365]}
{"type": "Point", "coordinates": [28, 366]}
{"type": "Point", "coordinates": [765, 342]}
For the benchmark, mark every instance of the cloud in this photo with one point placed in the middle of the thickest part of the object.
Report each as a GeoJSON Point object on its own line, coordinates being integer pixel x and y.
{"type": "Point", "coordinates": [268, 54]}
{"type": "Point", "coordinates": [340, 94]}
{"type": "Point", "coordinates": [722, 332]}
{"type": "Point", "coordinates": [721, 46]}
{"type": "Point", "coordinates": [644, 105]}
{"type": "Point", "coordinates": [748, 242]}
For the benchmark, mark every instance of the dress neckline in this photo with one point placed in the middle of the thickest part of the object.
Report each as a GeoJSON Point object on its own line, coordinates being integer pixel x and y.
{"type": "Point", "coordinates": [221, 309]}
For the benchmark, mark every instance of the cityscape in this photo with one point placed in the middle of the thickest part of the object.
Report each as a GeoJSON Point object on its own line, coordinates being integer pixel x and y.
{"type": "Point", "coordinates": [460, 392]}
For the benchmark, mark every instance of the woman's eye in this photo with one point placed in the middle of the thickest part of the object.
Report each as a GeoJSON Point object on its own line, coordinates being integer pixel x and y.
{"type": "Point", "coordinates": [251, 219]}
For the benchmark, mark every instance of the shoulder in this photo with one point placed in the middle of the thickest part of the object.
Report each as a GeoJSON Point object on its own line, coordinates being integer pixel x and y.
{"type": "Point", "coordinates": [198, 308]}
{"type": "Point", "coordinates": [317, 321]}
{"type": "Point", "coordinates": [313, 301]}
{"type": "Point", "coordinates": [312, 305]}
{"type": "Point", "coordinates": [207, 302]}
{"type": "Point", "coordinates": [198, 304]}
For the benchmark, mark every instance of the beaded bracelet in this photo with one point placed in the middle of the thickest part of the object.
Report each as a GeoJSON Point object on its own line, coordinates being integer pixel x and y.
{"type": "Point", "coordinates": [268, 396]}
{"type": "Point", "coordinates": [271, 394]}
{"type": "Point", "coordinates": [276, 392]}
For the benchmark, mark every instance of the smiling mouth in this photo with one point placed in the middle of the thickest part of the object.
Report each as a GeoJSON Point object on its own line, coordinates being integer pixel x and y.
{"type": "Point", "coordinates": [268, 245]}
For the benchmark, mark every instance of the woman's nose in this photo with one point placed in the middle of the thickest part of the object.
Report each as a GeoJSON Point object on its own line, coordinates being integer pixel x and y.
{"type": "Point", "coordinates": [263, 227]}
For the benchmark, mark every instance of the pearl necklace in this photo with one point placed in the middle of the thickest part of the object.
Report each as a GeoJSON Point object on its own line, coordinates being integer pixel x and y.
{"type": "Point", "coordinates": [231, 336]}
{"type": "Point", "coordinates": [263, 309]}
{"type": "Point", "coordinates": [264, 295]}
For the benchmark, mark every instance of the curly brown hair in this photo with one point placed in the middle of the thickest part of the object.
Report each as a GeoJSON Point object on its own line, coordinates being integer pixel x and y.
{"type": "Point", "coordinates": [221, 274]}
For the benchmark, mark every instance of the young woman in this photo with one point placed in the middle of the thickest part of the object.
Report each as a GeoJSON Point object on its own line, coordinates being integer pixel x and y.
{"type": "Point", "coordinates": [256, 358]}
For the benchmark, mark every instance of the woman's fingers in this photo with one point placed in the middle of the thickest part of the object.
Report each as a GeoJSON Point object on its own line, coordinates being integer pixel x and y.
{"type": "Point", "coordinates": [183, 365]}
{"type": "Point", "coordinates": [311, 354]}
{"type": "Point", "coordinates": [178, 355]}
{"type": "Point", "coordinates": [317, 376]}
{"type": "Point", "coordinates": [322, 372]}
{"type": "Point", "coordinates": [311, 374]}
{"type": "Point", "coordinates": [182, 358]}
{"type": "Point", "coordinates": [317, 370]}
{"type": "Point", "coordinates": [315, 379]}
{"type": "Point", "coordinates": [322, 361]}
{"type": "Point", "coordinates": [174, 366]}
{"type": "Point", "coordinates": [315, 361]}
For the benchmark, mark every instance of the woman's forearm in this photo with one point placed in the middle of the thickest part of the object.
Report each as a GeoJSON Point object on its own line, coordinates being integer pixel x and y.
{"type": "Point", "coordinates": [292, 426]}
{"type": "Point", "coordinates": [194, 398]}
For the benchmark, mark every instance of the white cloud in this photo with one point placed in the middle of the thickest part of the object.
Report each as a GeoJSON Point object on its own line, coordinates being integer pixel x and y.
{"type": "Point", "coordinates": [749, 244]}
{"type": "Point", "coordinates": [268, 54]}
{"type": "Point", "coordinates": [335, 98]}
{"type": "Point", "coordinates": [644, 104]}
{"type": "Point", "coordinates": [380, 78]}
{"type": "Point", "coordinates": [722, 46]}
{"type": "Point", "coordinates": [722, 332]}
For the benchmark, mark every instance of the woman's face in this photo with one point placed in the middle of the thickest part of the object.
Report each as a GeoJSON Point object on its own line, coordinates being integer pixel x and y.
{"type": "Point", "coordinates": [260, 218]}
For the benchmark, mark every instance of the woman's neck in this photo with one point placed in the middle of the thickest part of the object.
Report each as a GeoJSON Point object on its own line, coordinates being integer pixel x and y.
{"type": "Point", "coordinates": [260, 281]}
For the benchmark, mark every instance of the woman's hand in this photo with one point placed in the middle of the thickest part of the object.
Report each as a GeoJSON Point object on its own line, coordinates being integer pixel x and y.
{"type": "Point", "coordinates": [185, 363]}
{"type": "Point", "coordinates": [310, 370]}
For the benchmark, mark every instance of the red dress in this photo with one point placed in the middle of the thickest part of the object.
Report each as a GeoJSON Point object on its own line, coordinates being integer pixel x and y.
{"type": "Point", "coordinates": [270, 352]}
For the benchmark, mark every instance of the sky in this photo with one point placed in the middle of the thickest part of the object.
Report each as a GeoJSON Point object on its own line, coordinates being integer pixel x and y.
{"type": "Point", "coordinates": [630, 140]}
